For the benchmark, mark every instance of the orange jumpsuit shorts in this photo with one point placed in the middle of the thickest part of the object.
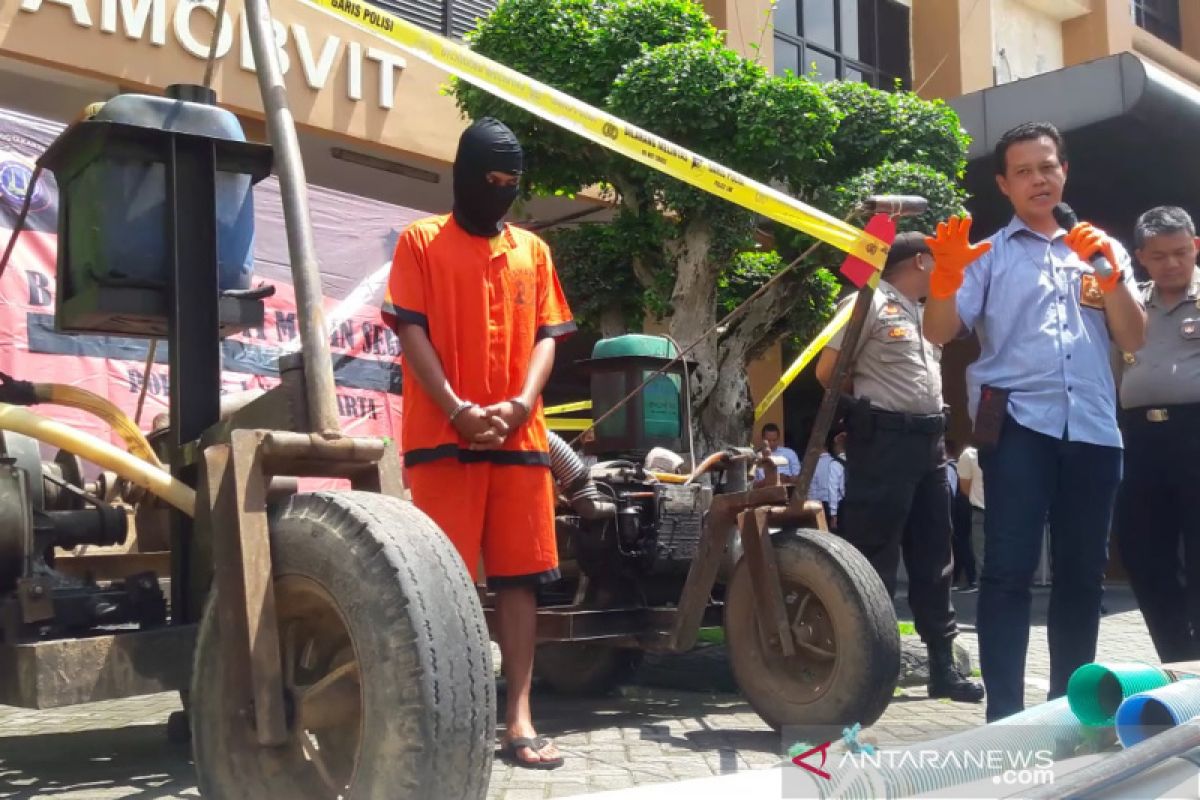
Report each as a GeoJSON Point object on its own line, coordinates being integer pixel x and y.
{"type": "Point", "coordinates": [504, 512]}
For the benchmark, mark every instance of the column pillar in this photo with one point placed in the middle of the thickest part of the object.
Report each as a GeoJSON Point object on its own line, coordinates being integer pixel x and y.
{"type": "Point", "coordinates": [951, 47]}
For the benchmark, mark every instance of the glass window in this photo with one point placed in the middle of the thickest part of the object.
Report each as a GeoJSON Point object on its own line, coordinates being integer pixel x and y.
{"type": "Point", "coordinates": [819, 24]}
{"type": "Point", "coordinates": [849, 22]}
{"type": "Point", "coordinates": [865, 26]}
{"type": "Point", "coordinates": [787, 57]}
{"type": "Point", "coordinates": [785, 18]}
{"type": "Point", "coordinates": [855, 40]}
{"type": "Point", "coordinates": [447, 17]}
{"type": "Point", "coordinates": [1159, 17]}
{"type": "Point", "coordinates": [893, 38]}
{"type": "Point", "coordinates": [823, 64]}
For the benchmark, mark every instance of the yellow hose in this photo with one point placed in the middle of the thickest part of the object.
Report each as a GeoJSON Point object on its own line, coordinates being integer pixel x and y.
{"type": "Point", "coordinates": [153, 479]}
{"type": "Point", "coordinates": [127, 429]}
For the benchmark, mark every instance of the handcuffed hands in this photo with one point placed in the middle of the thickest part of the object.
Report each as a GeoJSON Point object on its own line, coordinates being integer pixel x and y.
{"type": "Point", "coordinates": [484, 432]}
{"type": "Point", "coordinates": [1085, 240]}
{"type": "Point", "coordinates": [952, 251]}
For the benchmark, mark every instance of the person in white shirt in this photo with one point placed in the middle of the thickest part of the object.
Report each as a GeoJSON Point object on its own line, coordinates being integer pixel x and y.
{"type": "Point", "coordinates": [970, 482]}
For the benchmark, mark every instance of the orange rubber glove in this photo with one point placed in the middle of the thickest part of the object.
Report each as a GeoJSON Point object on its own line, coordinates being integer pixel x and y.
{"type": "Point", "coordinates": [1085, 241]}
{"type": "Point", "coordinates": [952, 251]}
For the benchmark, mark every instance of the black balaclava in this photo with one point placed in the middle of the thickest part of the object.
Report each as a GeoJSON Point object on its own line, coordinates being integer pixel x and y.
{"type": "Point", "coordinates": [487, 146]}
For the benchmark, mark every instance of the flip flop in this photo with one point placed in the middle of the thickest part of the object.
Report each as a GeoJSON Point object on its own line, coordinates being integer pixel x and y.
{"type": "Point", "coordinates": [509, 753]}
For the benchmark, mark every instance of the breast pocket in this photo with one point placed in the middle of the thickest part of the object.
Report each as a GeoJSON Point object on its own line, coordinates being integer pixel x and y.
{"type": "Point", "coordinates": [897, 340]}
{"type": "Point", "coordinates": [1189, 328]}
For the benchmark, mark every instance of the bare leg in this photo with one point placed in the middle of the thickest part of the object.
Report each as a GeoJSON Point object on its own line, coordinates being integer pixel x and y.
{"type": "Point", "coordinates": [516, 621]}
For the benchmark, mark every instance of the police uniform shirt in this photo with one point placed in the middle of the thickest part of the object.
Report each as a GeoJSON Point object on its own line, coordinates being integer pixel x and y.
{"type": "Point", "coordinates": [894, 365]}
{"type": "Point", "coordinates": [1166, 371]}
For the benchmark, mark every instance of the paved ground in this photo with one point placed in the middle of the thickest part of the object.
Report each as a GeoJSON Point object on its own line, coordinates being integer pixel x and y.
{"type": "Point", "coordinates": [643, 735]}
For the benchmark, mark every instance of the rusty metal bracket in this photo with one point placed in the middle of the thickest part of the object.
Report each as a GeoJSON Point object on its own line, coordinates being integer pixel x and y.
{"type": "Point", "coordinates": [232, 512]}
{"type": "Point", "coordinates": [764, 573]}
{"type": "Point", "coordinates": [237, 520]}
{"type": "Point", "coordinates": [34, 595]}
{"type": "Point", "coordinates": [833, 393]}
{"type": "Point", "coordinates": [714, 539]}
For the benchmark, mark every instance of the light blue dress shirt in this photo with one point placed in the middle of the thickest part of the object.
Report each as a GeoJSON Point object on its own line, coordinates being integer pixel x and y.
{"type": "Point", "coordinates": [1022, 299]}
{"type": "Point", "coordinates": [829, 482]}
{"type": "Point", "coordinates": [791, 469]}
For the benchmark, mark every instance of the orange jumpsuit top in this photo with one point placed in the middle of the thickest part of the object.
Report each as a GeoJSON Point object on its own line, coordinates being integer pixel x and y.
{"type": "Point", "coordinates": [483, 306]}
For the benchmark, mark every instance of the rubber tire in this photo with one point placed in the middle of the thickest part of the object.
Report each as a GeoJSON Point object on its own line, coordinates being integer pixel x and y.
{"type": "Point", "coordinates": [421, 641]}
{"type": "Point", "coordinates": [866, 634]}
{"type": "Point", "coordinates": [582, 669]}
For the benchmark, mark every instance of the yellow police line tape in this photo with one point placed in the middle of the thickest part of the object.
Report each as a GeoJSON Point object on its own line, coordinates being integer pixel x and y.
{"type": "Point", "coordinates": [606, 130]}
{"type": "Point", "coordinates": [810, 352]}
{"type": "Point", "coordinates": [557, 423]}
{"type": "Point", "coordinates": [567, 408]}
{"type": "Point", "coordinates": [567, 424]}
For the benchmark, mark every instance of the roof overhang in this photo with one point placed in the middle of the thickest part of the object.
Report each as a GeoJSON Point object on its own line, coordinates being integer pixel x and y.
{"type": "Point", "coordinates": [1132, 131]}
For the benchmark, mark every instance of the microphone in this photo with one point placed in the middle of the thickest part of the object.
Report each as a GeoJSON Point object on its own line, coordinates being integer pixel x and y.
{"type": "Point", "coordinates": [1065, 216]}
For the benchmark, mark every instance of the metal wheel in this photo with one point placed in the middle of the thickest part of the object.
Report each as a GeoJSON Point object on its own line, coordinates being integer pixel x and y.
{"type": "Point", "coordinates": [320, 673]}
{"type": "Point", "coordinates": [385, 661]}
{"type": "Point", "coordinates": [847, 658]}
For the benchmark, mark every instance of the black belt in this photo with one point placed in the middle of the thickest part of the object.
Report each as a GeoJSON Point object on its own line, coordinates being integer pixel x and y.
{"type": "Point", "coordinates": [914, 423]}
{"type": "Point", "coordinates": [1158, 415]}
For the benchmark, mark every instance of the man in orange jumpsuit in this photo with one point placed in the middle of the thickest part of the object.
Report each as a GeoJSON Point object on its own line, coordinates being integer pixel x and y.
{"type": "Point", "coordinates": [477, 306]}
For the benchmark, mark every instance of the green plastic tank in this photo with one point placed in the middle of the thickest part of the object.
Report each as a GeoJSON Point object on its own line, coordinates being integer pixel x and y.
{"type": "Point", "coordinates": [657, 416]}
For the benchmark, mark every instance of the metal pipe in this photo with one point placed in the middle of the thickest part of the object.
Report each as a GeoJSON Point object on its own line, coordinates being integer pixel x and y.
{"type": "Point", "coordinates": [293, 188]}
{"type": "Point", "coordinates": [211, 61]}
{"type": "Point", "coordinates": [1109, 771]}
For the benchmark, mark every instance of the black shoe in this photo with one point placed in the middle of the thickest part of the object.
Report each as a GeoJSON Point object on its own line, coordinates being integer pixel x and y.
{"type": "Point", "coordinates": [944, 678]}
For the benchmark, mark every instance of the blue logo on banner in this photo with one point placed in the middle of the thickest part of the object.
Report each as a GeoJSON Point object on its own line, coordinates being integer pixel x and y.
{"type": "Point", "coordinates": [15, 178]}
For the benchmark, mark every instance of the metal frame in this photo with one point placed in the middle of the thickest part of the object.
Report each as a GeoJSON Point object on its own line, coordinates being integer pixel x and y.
{"type": "Point", "coordinates": [233, 491]}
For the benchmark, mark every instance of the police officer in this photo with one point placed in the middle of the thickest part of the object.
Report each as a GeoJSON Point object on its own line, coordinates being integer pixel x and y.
{"type": "Point", "coordinates": [897, 496]}
{"type": "Point", "coordinates": [1160, 418]}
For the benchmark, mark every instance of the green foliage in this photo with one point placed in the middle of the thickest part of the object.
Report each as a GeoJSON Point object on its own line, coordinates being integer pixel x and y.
{"type": "Point", "coordinates": [945, 196]}
{"type": "Point", "coordinates": [661, 64]}
{"type": "Point", "coordinates": [750, 270]}
{"type": "Point", "coordinates": [579, 47]}
{"type": "Point", "coordinates": [595, 266]}
{"type": "Point", "coordinates": [816, 300]}
{"type": "Point", "coordinates": [893, 126]}
{"type": "Point", "coordinates": [689, 92]}
{"type": "Point", "coordinates": [785, 130]}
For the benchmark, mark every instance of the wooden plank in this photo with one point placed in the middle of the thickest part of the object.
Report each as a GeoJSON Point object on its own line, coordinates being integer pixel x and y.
{"type": "Point", "coordinates": [67, 672]}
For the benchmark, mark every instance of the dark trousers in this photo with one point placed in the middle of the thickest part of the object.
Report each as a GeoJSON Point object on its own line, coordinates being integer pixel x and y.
{"type": "Point", "coordinates": [898, 501]}
{"type": "Point", "coordinates": [964, 556]}
{"type": "Point", "coordinates": [1155, 515]}
{"type": "Point", "coordinates": [1031, 477]}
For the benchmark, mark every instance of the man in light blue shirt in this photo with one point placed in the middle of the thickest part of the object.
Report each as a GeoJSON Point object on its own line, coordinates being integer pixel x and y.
{"type": "Point", "coordinates": [829, 479]}
{"type": "Point", "coordinates": [774, 441]}
{"type": "Point", "coordinates": [1047, 428]}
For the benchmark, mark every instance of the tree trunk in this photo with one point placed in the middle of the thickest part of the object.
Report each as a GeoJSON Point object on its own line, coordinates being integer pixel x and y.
{"type": "Point", "coordinates": [612, 323]}
{"type": "Point", "coordinates": [725, 417]}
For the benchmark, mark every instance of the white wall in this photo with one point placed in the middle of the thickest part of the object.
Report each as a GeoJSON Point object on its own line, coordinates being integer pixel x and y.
{"type": "Point", "coordinates": [1025, 41]}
